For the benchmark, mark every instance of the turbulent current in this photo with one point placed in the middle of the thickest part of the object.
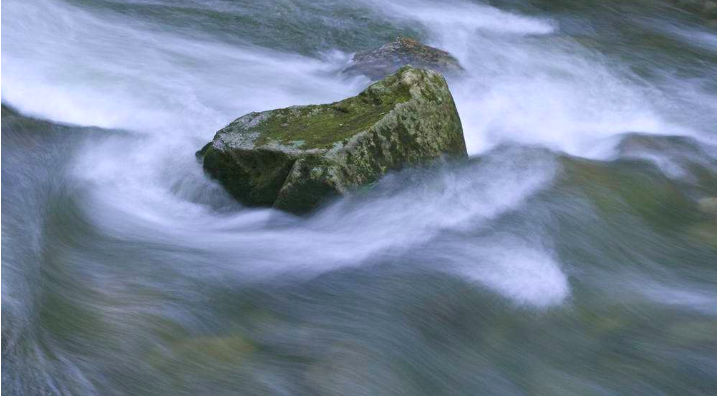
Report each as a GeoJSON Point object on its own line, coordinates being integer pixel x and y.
{"type": "Point", "coordinates": [573, 254]}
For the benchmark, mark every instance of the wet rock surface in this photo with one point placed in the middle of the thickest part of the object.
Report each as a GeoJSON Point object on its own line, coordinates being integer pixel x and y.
{"type": "Point", "coordinates": [385, 60]}
{"type": "Point", "coordinates": [294, 158]}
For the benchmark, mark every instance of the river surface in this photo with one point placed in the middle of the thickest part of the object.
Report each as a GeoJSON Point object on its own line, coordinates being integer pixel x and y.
{"type": "Point", "coordinates": [573, 254]}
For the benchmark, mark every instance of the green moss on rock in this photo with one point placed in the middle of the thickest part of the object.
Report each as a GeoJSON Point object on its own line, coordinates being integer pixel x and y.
{"type": "Point", "coordinates": [293, 158]}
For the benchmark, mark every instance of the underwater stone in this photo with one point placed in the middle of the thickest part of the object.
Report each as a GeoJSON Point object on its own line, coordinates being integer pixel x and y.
{"type": "Point", "coordinates": [293, 158]}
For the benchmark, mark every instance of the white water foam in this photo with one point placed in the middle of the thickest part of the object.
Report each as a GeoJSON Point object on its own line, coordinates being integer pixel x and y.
{"type": "Point", "coordinates": [525, 274]}
{"type": "Point", "coordinates": [524, 83]}
{"type": "Point", "coordinates": [115, 73]}
{"type": "Point", "coordinates": [528, 83]}
{"type": "Point", "coordinates": [389, 223]}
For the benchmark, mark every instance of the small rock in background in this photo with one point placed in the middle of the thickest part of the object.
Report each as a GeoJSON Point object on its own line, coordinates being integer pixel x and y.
{"type": "Point", "coordinates": [388, 58]}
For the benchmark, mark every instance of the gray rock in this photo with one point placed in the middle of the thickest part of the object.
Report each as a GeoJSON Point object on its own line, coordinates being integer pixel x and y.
{"type": "Point", "coordinates": [388, 58]}
{"type": "Point", "coordinates": [293, 158]}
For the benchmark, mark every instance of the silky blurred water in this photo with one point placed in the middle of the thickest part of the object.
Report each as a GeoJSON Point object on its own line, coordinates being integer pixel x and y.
{"type": "Point", "coordinates": [574, 253]}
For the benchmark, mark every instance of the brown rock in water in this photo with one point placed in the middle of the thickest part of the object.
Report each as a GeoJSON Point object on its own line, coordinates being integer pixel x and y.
{"type": "Point", "coordinates": [388, 58]}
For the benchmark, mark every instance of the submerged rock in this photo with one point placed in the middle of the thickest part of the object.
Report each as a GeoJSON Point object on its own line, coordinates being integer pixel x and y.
{"type": "Point", "coordinates": [295, 157]}
{"type": "Point", "coordinates": [707, 205]}
{"type": "Point", "coordinates": [388, 58]}
{"type": "Point", "coordinates": [679, 157]}
{"type": "Point", "coordinates": [705, 10]}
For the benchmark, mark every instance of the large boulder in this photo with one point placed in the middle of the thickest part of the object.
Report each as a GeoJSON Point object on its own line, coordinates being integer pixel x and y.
{"type": "Point", "coordinates": [295, 157]}
{"type": "Point", "coordinates": [388, 58]}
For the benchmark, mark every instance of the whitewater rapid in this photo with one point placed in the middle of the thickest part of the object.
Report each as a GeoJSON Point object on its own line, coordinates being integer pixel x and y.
{"type": "Point", "coordinates": [553, 250]}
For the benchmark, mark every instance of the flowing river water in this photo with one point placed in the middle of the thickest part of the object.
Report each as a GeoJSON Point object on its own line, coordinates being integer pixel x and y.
{"type": "Point", "coordinates": [573, 254]}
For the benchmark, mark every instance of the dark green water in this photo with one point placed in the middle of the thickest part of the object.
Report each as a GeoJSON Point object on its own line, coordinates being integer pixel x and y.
{"type": "Point", "coordinates": [574, 254]}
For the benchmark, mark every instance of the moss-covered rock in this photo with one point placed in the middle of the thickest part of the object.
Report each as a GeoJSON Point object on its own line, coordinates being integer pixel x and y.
{"type": "Point", "coordinates": [388, 58]}
{"type": "Point", "coordinates": [295, 157]}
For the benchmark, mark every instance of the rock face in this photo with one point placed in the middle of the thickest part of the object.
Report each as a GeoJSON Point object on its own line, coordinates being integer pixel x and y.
{"type": "Point", "coordinates": [295, 157]}
{"type": "Point", "coordinates": [387, 59]}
